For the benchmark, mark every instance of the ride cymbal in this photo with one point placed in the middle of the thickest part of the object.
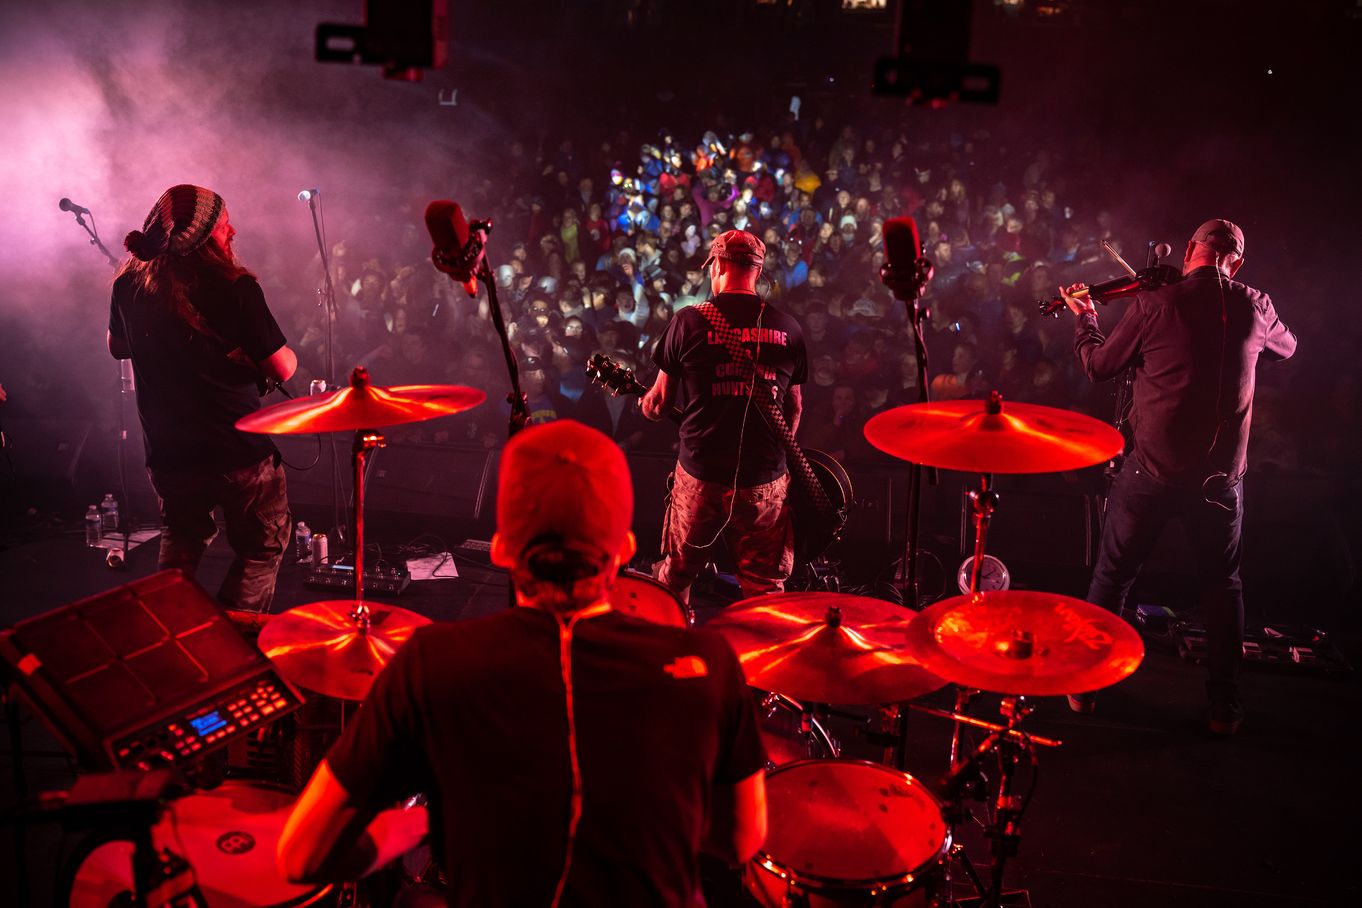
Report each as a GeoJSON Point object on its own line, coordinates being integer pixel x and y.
{"type": "Point", "coordinates": [322, 647]}
{"type": "Point", "coordinates": [825, 648]}
{"type": "Point", "coordinates": [1024, 642]}
{"type": "Point", "coordinates": [976, 436]}
{"type": "Point", "coordinates": [361, 406]}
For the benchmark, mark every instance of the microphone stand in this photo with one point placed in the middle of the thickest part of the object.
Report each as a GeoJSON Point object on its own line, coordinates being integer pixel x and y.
{"type": "Point", "coordinates": [125, 384]}
{"type": "Point", "coordinates": [472, 261]}
{"type": "Point", "coordinates": [327, 292]}
{"type": "Point", "coordinates": [909, 288]}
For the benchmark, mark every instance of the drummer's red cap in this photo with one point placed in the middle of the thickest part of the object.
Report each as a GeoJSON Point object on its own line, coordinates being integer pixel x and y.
{"type": "Point", "coordinates": [566, 481]}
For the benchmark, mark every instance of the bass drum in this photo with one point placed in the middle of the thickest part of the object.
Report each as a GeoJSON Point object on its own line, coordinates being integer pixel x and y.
{"type": "Point", "coordinates": [640, 596]}
{"type": "Point", "coordinates": [228, 835]}
{"type": "Point", "coordinates": [849, 833]}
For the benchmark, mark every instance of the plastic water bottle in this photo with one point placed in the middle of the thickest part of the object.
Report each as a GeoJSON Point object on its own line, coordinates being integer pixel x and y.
{"type": "Point", "coordinates": [302, 543]}
{"type": "Point", "coordinates": [93, 527]}
{"type": "Point", "coordinates": [108, 510]}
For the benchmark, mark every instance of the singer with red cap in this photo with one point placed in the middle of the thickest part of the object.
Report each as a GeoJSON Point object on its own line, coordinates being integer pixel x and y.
{"type": "Point", "coordinates": [731, 480]}
{"type": "Point", "coordinates": [1195, 346]}
{"type": "Point", "coordinates": [203, 342]}
{"type": "Point", "coordinates": [572, 754]}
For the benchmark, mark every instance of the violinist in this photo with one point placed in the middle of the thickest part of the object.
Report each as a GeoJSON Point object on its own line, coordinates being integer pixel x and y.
{"type": "Point", "coordinates": [1194, 346]}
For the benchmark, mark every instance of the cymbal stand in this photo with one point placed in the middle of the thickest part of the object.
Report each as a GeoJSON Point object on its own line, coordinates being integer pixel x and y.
{"type": "Point", "coordinates": [983, 502]}
{"type": "Point", "coordinates": [1010, 744]}
{"type": "Point", "coordinates": [366, 441]}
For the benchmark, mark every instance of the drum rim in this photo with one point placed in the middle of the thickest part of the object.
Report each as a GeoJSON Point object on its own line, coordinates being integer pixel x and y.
{"type": "Point", "coordinates": [88, 844]}
{"type": "Point", "coordinates": [770, 863]}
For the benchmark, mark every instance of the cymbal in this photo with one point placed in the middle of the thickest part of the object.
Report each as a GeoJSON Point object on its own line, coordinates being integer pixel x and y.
{"type": "Point", "coordinates": [825, 648]}
{"type": "Point", "coordinates": [976, 436]}
{"type": "Point", "coordinates": [319, 646]}
{"type": "Point", "coordinates": [360, 406]}
{"type": "Point", "coordinates": [1024, 642]}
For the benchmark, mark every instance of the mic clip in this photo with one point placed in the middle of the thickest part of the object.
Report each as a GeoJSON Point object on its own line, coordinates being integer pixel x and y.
{"type": "Point", "coordinates": [911, 282]}
{"type": "Point", "coordinates": [463, 264]}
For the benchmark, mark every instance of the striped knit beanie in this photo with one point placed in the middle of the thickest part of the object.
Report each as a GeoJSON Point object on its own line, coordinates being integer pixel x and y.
{"type": "Point", "coordinates": [181, 221]}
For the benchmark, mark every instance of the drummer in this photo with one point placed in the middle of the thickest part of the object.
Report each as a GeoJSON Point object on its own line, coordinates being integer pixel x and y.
{"type": "Point", "coordinates": [571, 753]}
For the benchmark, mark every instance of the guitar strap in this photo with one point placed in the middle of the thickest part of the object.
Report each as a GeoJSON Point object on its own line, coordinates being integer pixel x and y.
{"type": "Point", "coordinates": [767, 403]}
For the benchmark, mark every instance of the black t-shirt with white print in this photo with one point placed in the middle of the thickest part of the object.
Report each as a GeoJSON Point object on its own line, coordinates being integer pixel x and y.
{"type": "Point", "coordinates": [714, 395]}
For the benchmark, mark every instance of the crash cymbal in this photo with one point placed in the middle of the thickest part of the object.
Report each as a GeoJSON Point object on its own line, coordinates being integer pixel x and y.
{"type": "Point", "coordinates": [976, 436]}
{"type": "Point", "coordinates": [360, 406]}
{"type": "Point", "coordinates": [825, 648]}
{"type": "Point", "coordinates": [321, 647]}
{"type": "Point", "coordinates": [1024, 642]}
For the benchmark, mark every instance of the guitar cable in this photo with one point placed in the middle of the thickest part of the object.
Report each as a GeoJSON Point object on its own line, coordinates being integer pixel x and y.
{"type": "Point", "coordinates": [742, 433]}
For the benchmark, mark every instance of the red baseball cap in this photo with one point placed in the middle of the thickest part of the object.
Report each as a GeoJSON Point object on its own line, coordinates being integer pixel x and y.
{"type": "Point", "coordinates": [736, 246]}
{"type": "Point", "coordinates": [565, 480]}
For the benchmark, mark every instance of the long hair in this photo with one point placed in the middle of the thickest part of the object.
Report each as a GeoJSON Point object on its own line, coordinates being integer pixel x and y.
{"type": "Point", "coordinates": [169, 279]}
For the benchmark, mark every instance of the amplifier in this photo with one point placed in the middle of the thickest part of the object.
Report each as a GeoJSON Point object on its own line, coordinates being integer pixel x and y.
{"type": "Point", "coordinates": [150, 674]}
{"type": "Point", "coordinates": [383, 580]}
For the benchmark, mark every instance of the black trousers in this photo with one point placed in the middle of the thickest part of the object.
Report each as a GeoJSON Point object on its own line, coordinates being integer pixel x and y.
{"type": "Point", "coordinates": [1138, 508]}
{"type": "Point", "coordinates": [254, 504]}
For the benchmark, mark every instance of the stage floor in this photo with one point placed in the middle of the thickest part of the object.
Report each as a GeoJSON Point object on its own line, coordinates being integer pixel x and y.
{"type": "Point", "coordinates": [1139, 807]}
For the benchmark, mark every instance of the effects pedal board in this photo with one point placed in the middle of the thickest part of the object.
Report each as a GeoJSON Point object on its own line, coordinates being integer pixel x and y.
{"type": "Point", "coordinates": [1274, 644]}
{"type": "Point", "coordinates": [381, 580]}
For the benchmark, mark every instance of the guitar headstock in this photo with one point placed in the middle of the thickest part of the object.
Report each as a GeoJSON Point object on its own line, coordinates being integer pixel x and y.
{"type": "Point", "coordinates": [620, 380]}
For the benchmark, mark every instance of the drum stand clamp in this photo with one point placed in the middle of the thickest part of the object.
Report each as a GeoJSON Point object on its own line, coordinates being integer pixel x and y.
{"type": "Point", "coordinates": [965, 780]}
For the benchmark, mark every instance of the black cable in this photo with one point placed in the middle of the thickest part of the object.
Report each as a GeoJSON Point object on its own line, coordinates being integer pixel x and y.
{"type": "Point", "coordinates": [316, 460]}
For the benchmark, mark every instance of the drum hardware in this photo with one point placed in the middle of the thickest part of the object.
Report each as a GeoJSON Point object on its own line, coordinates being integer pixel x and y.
{"type": "Point", "coordinates": [810, 737]}
{"type": "Point", "coordinates": [362, 408]}
{"type": "Point", "coordinates": [1009, 744]}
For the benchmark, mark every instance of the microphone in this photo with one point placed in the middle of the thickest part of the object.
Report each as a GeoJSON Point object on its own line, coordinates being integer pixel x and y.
{"type": "Point", "coordinates": [1163, 250]}
{"type": "Point", "coordinates": [453, 253]}
{"type": "Point", "coordinates": [905, 270]}
{"type": "Point", "coordinates": [902, 246]}
{"type": "Point", "coordinates": [68, 205]}
{"type": "Point", "coordinates": [307, 195]}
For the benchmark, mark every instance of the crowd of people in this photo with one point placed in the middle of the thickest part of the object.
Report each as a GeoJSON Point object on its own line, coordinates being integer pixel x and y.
{"type": "Point", "coordinates": [596, 245]}
{"type": "Point", "coordinates": [595, 250]}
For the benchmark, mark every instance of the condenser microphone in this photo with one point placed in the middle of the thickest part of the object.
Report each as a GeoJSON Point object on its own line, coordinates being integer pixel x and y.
{"type": "Point", "coordinates": [307, 195]}
{"type": "Point", "coordinates": [68, 205]}
{"type": "Point", "coordinates": [449, 232]}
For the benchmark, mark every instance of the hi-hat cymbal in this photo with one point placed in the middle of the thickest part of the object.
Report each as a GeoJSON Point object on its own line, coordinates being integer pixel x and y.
{"type": "Point", "coordinates": [361, 406]}
{"type": "Point", "coordinates": [825, 648]}
{"type": "Point", "coordinates": [1024, 642]}
{"type": "Point", "coordinates": [320, 646]}
{"type": "Point", "coordinates": [976, 436]}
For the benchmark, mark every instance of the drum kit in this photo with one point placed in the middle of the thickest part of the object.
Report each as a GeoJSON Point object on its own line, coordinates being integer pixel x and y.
{"type": "Point", "coordinates": [842, 831]}
{"type": "Point", "coordinates": [850, 832]}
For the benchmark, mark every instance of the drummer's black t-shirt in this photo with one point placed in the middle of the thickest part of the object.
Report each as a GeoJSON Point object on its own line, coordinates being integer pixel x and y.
{"type": "Point", "coordinates": [189, 393]}
{"type": "Point", "coordinates": [473, 715]}
{"type": "Point", "coordinates": [714, 393]}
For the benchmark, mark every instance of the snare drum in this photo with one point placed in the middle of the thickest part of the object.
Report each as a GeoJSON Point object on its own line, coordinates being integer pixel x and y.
{"type": "Point", "coordinates": [640, 596]}
{"type": "Point", "coordinates": [848, 833]}
{"type": "Point", "coordinates": [228, 835]}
